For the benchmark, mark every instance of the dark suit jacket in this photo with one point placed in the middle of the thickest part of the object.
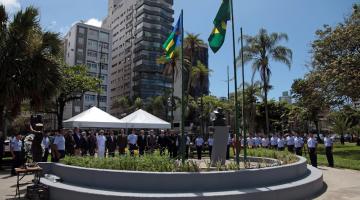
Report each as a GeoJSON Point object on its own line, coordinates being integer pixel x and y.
{"type": "Point", "coordinates": [111, 144]}
{"type": "Point", "coordinates": [142, 141]}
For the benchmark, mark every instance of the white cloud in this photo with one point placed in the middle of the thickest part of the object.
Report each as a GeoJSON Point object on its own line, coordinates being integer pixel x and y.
{"type": "Point", "coordinates": [11, 5]}
{"type": "Point", "coordinates": [94, 22]}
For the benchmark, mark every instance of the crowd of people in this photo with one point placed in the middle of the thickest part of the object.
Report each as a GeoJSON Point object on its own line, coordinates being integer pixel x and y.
{"type": "Point", "coordinates": [102, 143]}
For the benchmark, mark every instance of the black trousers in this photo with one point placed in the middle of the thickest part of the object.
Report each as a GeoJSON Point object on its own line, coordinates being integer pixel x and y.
{"type": "Point", "coordinates": [187, 151]}
{"type": "Point", "coordinates": [162, 150]}
{"type": "Point", "coordinates": [16, 162]}
{"type": "Point", "coordinates": [141, 150]}
{"type": "Point", "coordinates": [313, 157]}
{"type": "Point", "coordinates": [298, 151]}
{"type": "Point", "coordinates": [46, 155]}
{"type": "Point", "coordinates": [1, 159]}
{"type": "Point", "coordinates": [329, 156]}
{"type": "Point", "coordinates": [290, 148]}
{"type": "Point", "coordinates": [227, 152]}
{"type": "Point", "coordinates": [210, 151]}
{"type": "Point", "coordinates": [132, 148]}
{"type": "Point", "coordinates": [199, 151]}
{"type": "Point", "coordinates": [62, 155]}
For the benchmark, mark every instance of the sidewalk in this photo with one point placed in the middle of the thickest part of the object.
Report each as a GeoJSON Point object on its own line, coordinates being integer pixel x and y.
{"type": "Point", "coordinates": [341, 184]}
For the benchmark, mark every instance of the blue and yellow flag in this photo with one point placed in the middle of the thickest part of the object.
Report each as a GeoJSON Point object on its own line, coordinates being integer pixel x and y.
{"type": "Point", "coordinates": [173, 40]}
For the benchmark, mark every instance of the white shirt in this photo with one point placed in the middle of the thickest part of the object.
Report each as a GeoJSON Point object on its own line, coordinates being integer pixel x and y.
{"type": "Point", "coordinates": [311, 142]}
{"type": "Point", "coordinates": [229, 140]}
{"type": "Point", "coordinates": [299, 142]}
{"type": "Point", "coordinates": [265, 142]}
{"type": "Point", "coordinates": [132, 139]}
{"type": "Point", "coordinates": [290, 140]}
{"type": "Point", "coordinates": [273, 141]}
{"type": "Point", "coordinates": [199, 141]}
{"type": "Point", "coordinates": [250, 142]}
{"type": "Point", "coordinates": [59, 141]}
{"type": "Point", "coordinates": [328, 142]}
{"type": "Point", "coordinates": [187, 140]}
{"type": "Point", "coordinates": [16, 144]}
{"type": "Point", "coordinates": [211, 141]}
{"type": "Point", "coordinates": [281, 142]}
{"type": "Point", "coordinates": [101, 139]}
{"type": "Point", "coordinates": [45, 142]}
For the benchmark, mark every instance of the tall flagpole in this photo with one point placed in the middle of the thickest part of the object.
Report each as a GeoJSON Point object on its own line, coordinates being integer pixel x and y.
{"type": "Point", "coordinates": [182, 91]}
{"type": "Point", "coordinates": [235, 80]}
{"type": "Point", "coordinates": [243, 97]}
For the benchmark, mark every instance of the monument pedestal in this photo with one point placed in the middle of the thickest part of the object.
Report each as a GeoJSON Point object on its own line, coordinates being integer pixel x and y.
{"type": "Point", "coordinates": [221, 135]}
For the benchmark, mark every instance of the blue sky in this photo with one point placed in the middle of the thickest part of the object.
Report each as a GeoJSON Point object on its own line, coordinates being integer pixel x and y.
{"type": "Point", "coordinates": [298, 18]}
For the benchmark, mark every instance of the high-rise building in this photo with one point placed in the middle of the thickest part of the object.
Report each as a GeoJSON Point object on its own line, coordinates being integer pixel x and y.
{"type": "Point", "coordinates": [139, 28]}
{"type": "Point", "coordinates": [285, 97]}
{"type": "Point", "coordinates": [91, 46]}
{"type": "Point", "coordinates": [201, 55]}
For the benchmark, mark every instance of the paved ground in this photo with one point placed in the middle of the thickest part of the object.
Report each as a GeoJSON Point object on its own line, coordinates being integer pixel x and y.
{"type": "Point", "coordinates": [341, 184]}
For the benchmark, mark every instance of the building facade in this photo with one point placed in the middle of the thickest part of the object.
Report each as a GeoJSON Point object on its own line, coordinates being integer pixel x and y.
{"type": "Point", "coordinates": [91, 46]}
{"type": "Point", "coordinates": [285, 97]}
{"type": "Point", "coordinates": [138, 28]}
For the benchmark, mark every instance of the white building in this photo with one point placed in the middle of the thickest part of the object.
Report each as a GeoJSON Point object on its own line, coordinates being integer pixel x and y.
{"type": "Point", "coordinates": [91, 46]}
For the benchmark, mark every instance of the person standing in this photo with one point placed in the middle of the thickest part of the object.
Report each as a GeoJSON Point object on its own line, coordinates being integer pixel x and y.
{"type": "Point", "coordinates": [312, 144]}
{"type": "Point", "coordinates": [281, 143]}
{"type": "Point", "coordinates": [328, 142]}
{"type": "Point", "coordinates": [122, 142]}
{"type": "Point", "coordinates": [251, 142]}
{"type": "Point", "coordinates": [298, 144]}
{"type": "Point", "coordinates": [199, 141]}
{"type": "Point", "coordinates": [84, 144]}
{"type": "Point", "coordinates": [77, 137]}
{"type": "Point", "coordinates": [141, 142]}
{"type": "Point", "coordinates": [101, 142]}
{"type": "Point", "coordinates": [132, 141]}
{"type": "Point", "coordinates": [70, 143]}
{"type": "Point", "coordinates": [92, 143]}
{"type": "Point", "coordinates": [36, 148]}
{"type": "Point", "coordinates": [273, 141]}
{"type": "Point", "coordinates": [2, 141]}
{"type": "Point", "coordinates": [265, 142]}
{"type": "Point", "coordinates": [46, 145]}
{"type": "Point", "coordinates": [290, 143]}
{"type": "Point", "coordinates": [187, 146]}
{"type": "Point", "coordinates": [151, 142]}
{"type": "Point", "coordinates": [162, 142]}
{"type": "Point", "coordinates": [111, 144]}
{"type": "Point", "coordinates": [58, 146]}
{"type": "Point", "coordinates": [210, 144]}
{"type": "Point", "coordinates": [229, 143]}
{"type": "Point", "coordinates": [16, 151]}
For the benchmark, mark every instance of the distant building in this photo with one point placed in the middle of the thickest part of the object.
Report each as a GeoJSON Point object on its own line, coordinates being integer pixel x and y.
{"type": "Point", "coordinates": [89, 45]}
{"type": "Point", "coordinates": [139, 28]}
{"type": "Point", "coordinates": [285, 97]}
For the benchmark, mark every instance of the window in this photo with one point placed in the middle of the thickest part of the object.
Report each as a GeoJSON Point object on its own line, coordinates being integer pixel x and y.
{"type": "Point", "coordinates": [93, 33]}
{"type": "Point", "coordinates": [104, 67]}
{"type": "Point", "coordinates": [91, 65]}
{"type": "Point", "coordinates": [103, 99]}
{"type": "Point", "coordinates": [104, 36]}
{"type": "Point", "coordinates": [89, 97]}
{"type": "Point", "coordinates": [104, 58]}
{"type": "Point", "coordinates": [81, 30]}
{"type": "Point", "coordinates": [103, 45]}
{"type": "Point", "coordinates": [92, 44]}
{"type": "Point", "coordinates": [80, 41]}
{"type": "Point", "coordinates": [92, 54]}
{"type": "Point", "coordinates": [104, 88]}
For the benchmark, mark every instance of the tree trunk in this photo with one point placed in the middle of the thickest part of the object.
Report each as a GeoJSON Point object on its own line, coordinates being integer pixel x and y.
{"type": "Point", "coordinates": [60, 114]}
{"type": "Point", "coordinates": [317, 131]}
{"type": "Point", "coordinates": [266, 105]}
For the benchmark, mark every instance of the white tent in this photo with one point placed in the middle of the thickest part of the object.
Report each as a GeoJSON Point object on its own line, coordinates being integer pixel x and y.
{"type": "Point", "coordinates": [143, 119]}
{"type": "Point", "coordinates": [93, 118]}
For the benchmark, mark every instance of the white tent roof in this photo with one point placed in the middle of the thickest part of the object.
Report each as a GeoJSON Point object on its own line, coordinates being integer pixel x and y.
{"type": "Point", "coordinates": [143, 119]}
{"type": "Point", "coordinates": [94, 118]}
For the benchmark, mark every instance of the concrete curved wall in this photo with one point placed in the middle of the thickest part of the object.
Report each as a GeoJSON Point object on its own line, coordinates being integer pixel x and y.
{"type": "Point", "coordinates": [185, 182]}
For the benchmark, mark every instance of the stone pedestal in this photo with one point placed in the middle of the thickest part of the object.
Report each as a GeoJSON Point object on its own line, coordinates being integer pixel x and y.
{"type": "Point", "coordinates": [221, 135]}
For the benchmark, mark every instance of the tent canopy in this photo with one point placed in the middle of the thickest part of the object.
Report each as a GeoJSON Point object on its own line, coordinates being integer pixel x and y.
{"type": "Point", "coordinates": [93, 118]}
{"type": "Point", "coordinates": [143, 119]}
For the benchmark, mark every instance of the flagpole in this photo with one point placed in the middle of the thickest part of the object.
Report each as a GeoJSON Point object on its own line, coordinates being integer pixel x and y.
{"type": "Point", "coordinates": [243, 96]}
{"type": "Point", "coordinates": [182, 91]}
{"type": "Point", "coordinates": [235, 80]}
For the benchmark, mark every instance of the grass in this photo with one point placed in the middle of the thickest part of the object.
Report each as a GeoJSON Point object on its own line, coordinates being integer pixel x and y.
{"type": "Point", "coordinates": [345, 156]}
{"type": "Point", "coordinates": [157, 163]}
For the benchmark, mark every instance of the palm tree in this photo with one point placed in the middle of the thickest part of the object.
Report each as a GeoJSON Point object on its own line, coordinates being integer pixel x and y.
{"type": "Point", "coordinates": [29, 62]}
{"type": "Point", "coordinates": [341, 123]}
{"type": "Point", "coordinates": [259, 50]}
{"type": "Point", "coordinates": [252, 92]}
{"type": "Point", "coordinates": [199, 74]}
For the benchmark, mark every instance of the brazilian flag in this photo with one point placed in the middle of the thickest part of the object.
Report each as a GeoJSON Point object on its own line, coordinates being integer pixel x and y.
{"type": "Point", "coordinates": [217, 36]}
{"type": "Point", "coordinates": [173, 40]}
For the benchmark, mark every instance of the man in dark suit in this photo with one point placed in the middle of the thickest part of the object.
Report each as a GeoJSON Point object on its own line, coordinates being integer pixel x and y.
{"type": "Point", "coordinates": [162, 142]}
{"type": "Point", "coordinates": [122, 142]}
{"type": "Point", "coordinates": [111, 144]}
{"type": "Point", "coordinates": [142, 141]}
{"type": "Point", "coordinates": [77, 137]}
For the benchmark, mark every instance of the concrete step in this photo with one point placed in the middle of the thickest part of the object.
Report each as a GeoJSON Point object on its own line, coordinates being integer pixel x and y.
{"type": "Point", "coordinates": [303, 188]}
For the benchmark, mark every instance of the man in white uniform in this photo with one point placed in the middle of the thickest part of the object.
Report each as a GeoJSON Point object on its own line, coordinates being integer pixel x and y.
{"type": "Point", "coordinates": [101, 144]}
{"type": "Point", "coordinates": [132, 141]}
{"type": "Point", "coordinates": [328, 142]}
{"type": "Point", "coordinates": [312, 144]}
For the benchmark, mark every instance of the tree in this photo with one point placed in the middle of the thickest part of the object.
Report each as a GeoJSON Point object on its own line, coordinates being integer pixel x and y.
{"type": "Point", "coordinates": [252, 93]}
{"type": "Point", "coordinates": [340, 123]}
{"type": "Point", "coordinates": [259, 50]}
{"type": "Point", "coordinates": [309, 97]}
{"type": "Point", "coordinates": [122, 102]}
{"type": "Point", "coordinates": [200, 73]}
{"type": "Point", "coordinates": [74, 83]}
{"type": "Point", "coordinates": [138, 103]}
{"type": "Point", "coordinates": [336, 59]}
{"type": "Point", "coordinates": [29, 62]}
